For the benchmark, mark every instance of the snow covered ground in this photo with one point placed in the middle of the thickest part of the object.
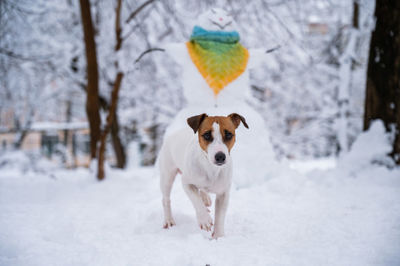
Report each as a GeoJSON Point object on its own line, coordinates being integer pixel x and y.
{"type": "Point", "coordinates": [324, 218]}
{"type": "Point", "coordinates": [329, 214]}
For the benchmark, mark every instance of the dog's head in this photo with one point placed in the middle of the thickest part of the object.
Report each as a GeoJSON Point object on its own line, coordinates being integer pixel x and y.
{"type": "Point", "coordinates": [216, 134]}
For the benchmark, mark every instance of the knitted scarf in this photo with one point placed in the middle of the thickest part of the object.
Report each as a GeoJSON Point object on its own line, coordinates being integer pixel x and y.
{"type": "Point", "coordinates": [218, 56]}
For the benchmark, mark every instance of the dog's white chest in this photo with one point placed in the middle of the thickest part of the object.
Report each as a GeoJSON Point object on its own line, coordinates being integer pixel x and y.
{"type": "Point", "coordinates": [217, 187]}
{"type": "Point", "coordinates": [210, 180]}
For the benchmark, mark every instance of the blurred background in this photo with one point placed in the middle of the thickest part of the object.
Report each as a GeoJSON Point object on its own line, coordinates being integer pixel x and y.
{"type": "Point", "coordinates": [307, 90]}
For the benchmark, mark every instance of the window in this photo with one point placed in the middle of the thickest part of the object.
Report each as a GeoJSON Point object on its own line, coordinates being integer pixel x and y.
{"type": "Point", "coordinates": [49, 143]}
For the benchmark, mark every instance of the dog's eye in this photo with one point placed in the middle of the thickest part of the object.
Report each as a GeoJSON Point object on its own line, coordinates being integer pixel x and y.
{"type": "Point", "coordinates": [228, 135]}
{"type": "Point", "coordinates": [207, 136]}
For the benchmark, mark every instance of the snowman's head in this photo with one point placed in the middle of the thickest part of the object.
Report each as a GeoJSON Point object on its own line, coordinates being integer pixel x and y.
{"type": "Point", "coordinates": [216, 19]}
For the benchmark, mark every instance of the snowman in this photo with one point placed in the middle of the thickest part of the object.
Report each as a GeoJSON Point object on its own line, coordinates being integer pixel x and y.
{"type": "Point", "coordinates": [215, 79]}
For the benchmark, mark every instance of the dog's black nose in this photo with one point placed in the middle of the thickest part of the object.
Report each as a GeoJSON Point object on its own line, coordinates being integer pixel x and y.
{"type": "Point", "coordinates": [220, 157]}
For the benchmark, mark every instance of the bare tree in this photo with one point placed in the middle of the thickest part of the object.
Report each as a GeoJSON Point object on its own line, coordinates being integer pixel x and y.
{"type": "Point", "coordinates": [111, 122]}
{"type": "Point", "coordinates": [383, 89]}
{"type": "Point", "coordinates": [93, 99]}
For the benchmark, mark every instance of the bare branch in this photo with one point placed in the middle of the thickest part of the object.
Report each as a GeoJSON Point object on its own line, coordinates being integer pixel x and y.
{"type": "Point", "coordinates": [148, 51]}
{"type": "Point", "coordinates": [137, 10]}
{"type": "Point", "coordinates": [272, 49]}
{"type": "Point", "coordinates": [118, 29]}
{"type": "Point", "coordinates": [24, 58]}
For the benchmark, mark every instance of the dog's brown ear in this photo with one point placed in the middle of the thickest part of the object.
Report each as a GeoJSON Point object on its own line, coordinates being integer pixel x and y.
{"type": "Point", "coordinates": [195, 121]}
{"type": "Point", "coordinates": [236, 118]}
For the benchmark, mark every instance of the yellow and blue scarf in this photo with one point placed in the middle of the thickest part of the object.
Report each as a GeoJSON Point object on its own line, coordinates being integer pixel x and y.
{"type": "Point", "coordinates": [218, 56]}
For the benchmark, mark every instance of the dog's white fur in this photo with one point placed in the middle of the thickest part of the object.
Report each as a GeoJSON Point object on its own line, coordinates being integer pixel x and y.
{"type": "Point", "coordinates": [182, 153]}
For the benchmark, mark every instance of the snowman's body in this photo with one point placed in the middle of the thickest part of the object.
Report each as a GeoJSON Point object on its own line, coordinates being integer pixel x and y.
{"type": "Point", "coordinates": [253, 152]}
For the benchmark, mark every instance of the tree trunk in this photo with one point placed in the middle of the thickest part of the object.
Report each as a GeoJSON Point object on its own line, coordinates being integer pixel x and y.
{"type": "Point", "coordinates": [22, 131]}
{"type": "Point", "coordinates": [92, 103]}
{"type": "Point", "coordinates": [383, 77]}
{"type": "Point", "coordinates": [112, 122]}
{"type": "Point", "coordinates": [119, 149]}
{"type": "Point", "coordinates": [67, 134]}
{"type": "Point", "coordinates": [20, 138]}
{"type": "Point", "coordinates": [110, 118]}
{"type": "Point", "coordinates": [116, 141]}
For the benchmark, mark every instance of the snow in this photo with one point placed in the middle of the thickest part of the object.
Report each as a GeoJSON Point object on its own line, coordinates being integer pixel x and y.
{"type": "Point", "coordinates": [369, 146]}
{"type": "Point", "coordinates": [38, 126]}
{"type": "Point", "coordinates": [334, 214]}
{"type": "Point", "coordinates": [309, 165]}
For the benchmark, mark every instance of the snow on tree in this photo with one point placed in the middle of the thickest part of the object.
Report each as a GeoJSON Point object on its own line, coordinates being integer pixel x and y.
{"type": "Point", "coordinates": [34, 56]}
{"type": "Point", "coordinates": [295, 88]}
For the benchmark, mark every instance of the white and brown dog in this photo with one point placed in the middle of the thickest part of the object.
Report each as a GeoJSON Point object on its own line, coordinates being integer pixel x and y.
{"type": "Point", "coordinates": [203, 159]}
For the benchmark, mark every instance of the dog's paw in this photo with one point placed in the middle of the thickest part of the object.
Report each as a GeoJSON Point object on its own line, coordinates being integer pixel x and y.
{"type": "Point", "coordinates": [217, 234]}
{"type": "Point", "coordinates": [205, 222]}
{"type": "Point", "coordinates": [206, 198]}
{"type": "Point", "coordinates": [169, 223]}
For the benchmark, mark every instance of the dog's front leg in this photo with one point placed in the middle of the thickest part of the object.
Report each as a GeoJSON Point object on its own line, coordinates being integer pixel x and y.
{"type": "Point", "coordinates": [221, 205]}
{"type": "Point", "coordinates": [203, 218]}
